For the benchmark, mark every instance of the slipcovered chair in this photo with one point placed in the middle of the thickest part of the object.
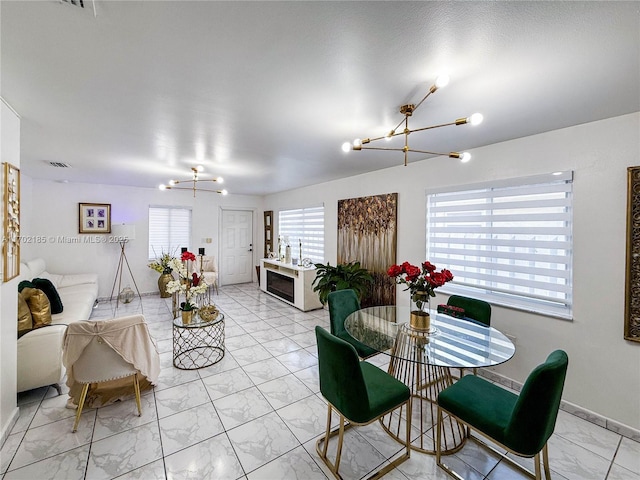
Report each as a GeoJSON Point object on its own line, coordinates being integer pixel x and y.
{"type": "Point", "coordinates": [206, 267]}
{"type": "Point", "coordinates": [360, 392]}
{"type": "Point", "coordinates": [101, 354]}
{"type": "Point", "coordinates": [522, 424]}
{"type": "Point", "coordinates": [475, 309]}
{"type": "Point", "coordinates": [343, 303]}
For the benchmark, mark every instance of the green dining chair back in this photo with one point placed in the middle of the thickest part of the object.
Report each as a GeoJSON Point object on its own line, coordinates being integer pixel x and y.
{"type": "Point", "coordinates": [360, 392]}
{"type": "Point", "coordinates": [343, 303]}
{"type": "Point", "coordinates": [475, 309]}
{"type": "Point", "coordinates": [521, 423]}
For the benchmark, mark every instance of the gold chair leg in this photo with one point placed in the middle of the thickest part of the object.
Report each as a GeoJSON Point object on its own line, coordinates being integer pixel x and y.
{"type": "Point", "coordinates": [136, 387]}
{"type": "Point", "coordinates": [536, 461]}
{"type": "Point", "coordinates": [340, 440]}
{"type": "Point", "coordinates": [545, 461]}
{"type": "Point", "coordinates": [328, 432]}
{"type": "Point", "coordinates": [438, 437]}
{"type": "Point", "coordinates": [83, 396]}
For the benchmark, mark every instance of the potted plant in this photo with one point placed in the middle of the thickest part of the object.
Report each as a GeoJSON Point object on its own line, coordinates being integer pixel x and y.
{"type": "Point", "coordinates": [348, 275]}
{"type": "Point", "coordinates": [162, 265]}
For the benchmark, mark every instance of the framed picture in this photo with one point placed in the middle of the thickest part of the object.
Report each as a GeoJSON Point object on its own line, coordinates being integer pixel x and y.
{"type": "Point", "coordinates": [94, 218]}
{"type": "Point", "coordinates": [632, 280]}
{"type": "Point", "coordinates": [268, 236]}
{"type": "Point", "coordinates": [11, 226]}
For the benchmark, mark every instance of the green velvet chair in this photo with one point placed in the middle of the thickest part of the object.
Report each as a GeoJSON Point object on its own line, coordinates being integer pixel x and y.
{"type": "Point", "coordinates": [360, 392]}
{"type": "Point", "coordinates": [343, 303]}
{"type": "Point", "coordinates": [477, 310]}
{"type": "Point", "coordinates": [521, 424]}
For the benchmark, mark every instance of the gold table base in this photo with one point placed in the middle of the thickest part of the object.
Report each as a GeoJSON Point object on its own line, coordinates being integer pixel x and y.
{"type": "Point", "coordinates": [409, 364]}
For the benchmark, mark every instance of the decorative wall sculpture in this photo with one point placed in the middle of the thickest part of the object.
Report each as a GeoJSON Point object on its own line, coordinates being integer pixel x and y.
{"type": "Point", "coordinates": [367, 232]}
{"type": "Point", "coordinates": [11, 222]}
{"type": "Point", "coordinates": [632, 283]}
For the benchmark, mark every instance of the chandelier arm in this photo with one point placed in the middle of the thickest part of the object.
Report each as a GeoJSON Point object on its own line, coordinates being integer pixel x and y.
{"type": "Point", "coordinates": [168, 187]}
{"type": "Point", "coordinates": [384, 148]}
{"type": "Point", "coordinates": [427, 152]}
{"type": "Point", "coordinates": [423, 99]}
{"type": "Point", "coordinates": [433, 126]}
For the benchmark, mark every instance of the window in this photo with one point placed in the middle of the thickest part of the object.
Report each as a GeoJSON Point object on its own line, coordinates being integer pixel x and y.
{"type": "Point", "coordinates": [304, 225]}
{"type": "Point", "coordinates": [169, 229]}
{"type": "Point", "coordinates": [509, 243]}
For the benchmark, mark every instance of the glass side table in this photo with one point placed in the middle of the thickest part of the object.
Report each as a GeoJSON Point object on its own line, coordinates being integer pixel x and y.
{"type": "Point", "coordinates": [198, 344]}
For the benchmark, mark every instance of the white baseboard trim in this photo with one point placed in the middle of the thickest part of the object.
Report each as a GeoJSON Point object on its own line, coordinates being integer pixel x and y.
{"type": "Point", "coordinates": [6, 429]}
{"type": "Point", "coordinates": [578, 411]}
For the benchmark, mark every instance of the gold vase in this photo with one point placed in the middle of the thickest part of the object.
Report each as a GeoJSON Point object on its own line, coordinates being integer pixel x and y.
{"type": "Point", "coordinates": [163, 279]}
{"type": "Point", "coordinates": [187, 316]}
{"type": "Point", "coordinates": [419, 307]}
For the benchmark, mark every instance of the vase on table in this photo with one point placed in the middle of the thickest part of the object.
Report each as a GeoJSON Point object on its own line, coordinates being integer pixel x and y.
{"type": "Point", "coordinates": [187, 316]}
{"type": "Point", "coordinates": [163, 279]}
{"type": "Point", "coordinates": [419, 308]}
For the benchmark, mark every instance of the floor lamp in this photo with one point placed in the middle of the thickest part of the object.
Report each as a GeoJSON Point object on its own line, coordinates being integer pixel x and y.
{"type": "Point", "coordinates": [123, 233]}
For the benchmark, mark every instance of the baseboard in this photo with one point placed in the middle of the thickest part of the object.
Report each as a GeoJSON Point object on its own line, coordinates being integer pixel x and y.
{"type": "Point", "coordinates": [578, 411]}
{"type": "Point", "coordinates": [6, 429]}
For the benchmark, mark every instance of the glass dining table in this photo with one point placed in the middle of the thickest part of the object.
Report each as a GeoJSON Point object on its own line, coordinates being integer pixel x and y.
{"type": "Point", "coordinates": [423, 360]}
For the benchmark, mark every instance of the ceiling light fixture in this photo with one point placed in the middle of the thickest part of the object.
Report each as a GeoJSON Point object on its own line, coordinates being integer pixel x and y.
{"type": "Point", "coordinates": [194, 181]}
{"type": "Point", "coordinates": [407, 111]}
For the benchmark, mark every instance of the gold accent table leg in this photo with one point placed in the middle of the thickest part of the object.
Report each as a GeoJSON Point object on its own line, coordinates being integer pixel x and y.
{"type": "Point", "coordinates": [136, 387]}
{"type": "Point", "coordinates": [83, 396]}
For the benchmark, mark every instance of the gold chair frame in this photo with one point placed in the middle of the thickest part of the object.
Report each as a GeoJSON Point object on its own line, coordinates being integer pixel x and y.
{"type": "Point", "coordinates": [468, 429]}
{"type": "Point", "coordinates": [322, 445]}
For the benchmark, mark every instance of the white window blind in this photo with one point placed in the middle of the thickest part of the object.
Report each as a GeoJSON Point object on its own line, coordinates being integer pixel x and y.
{"type": "Point", "coordinates": [304, 225]}
{"type": "Point", "coordinates": [509, 244]}
{"type": "Point", "coordinates": [169, 229]}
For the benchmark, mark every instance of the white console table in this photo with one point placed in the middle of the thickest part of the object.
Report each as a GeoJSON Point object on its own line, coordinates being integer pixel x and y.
{"type": "Point", "coordinates": [290, 283]}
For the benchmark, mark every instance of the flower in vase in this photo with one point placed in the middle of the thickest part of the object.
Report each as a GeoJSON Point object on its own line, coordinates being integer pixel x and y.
{"type": "Point", "coordinates": [190, 286]}
{"type": "Point", "coordinates": [420, 281]}
{"type": "Point", "coordinates": [162, 264]}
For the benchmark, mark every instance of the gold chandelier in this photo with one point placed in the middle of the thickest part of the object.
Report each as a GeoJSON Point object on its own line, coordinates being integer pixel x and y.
{"type": "Point", "coordinates": [408, 110]}
{"type": "Point", "coordinates": [194, 181]}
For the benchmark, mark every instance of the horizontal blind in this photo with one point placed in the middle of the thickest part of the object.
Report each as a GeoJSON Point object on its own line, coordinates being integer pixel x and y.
{"type": "Point", "coordinates": [510, 245]}
{"type": "Point", "coordinates": [304, 225]}
{"type": "Point", "coordinates": [169, 230]}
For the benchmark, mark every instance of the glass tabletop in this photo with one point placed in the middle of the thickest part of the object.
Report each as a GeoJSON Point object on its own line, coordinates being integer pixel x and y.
{"type": "Point", "coordinates": [451, 342]}
{"type": "Point", "coordinates": [198, 322]}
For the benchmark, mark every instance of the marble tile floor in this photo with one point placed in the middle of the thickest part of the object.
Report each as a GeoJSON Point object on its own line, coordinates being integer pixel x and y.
{"type": "Point", "coordinates": [255, 415]}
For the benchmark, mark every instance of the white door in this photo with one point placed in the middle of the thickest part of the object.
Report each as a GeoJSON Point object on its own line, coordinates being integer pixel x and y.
{"type": "Point", "coordinates": [237, 247]}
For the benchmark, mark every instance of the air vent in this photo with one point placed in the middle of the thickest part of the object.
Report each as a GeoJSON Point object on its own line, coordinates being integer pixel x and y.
{"type": "Point", "coordinates": [59, 164]}
{"type": "Point", "coordinates": [77, 3]}
{"type": "Point", "coordinates": [81, 4]}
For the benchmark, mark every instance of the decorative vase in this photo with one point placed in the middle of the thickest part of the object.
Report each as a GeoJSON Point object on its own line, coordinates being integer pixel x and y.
{"type": "Point", "coordinates": [163, 279]}
{"type": "Point", "coordinates": [187, 316]}
{"type": "Point", "coordinates": [420, 319]}
{"type": "Point", "coordinates": [126, 295]}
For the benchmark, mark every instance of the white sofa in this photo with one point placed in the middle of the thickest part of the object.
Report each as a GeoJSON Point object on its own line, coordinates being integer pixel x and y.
{"type": "Point", "coordinates": [40, 350]}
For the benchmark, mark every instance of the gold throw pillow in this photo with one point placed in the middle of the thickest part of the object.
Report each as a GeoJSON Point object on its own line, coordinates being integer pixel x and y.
{"type": "Point", "coordinates": [25, 321]}
{"type": "Point", "coordinates": [39, 306]}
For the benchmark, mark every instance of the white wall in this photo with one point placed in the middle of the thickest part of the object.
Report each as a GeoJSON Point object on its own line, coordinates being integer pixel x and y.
{"type": "Point", "coordinates": [51, 213]}
{"type": "Point", "coordinates": [604, 369]}
{"type": "Point", "coordinates": [10, 152]}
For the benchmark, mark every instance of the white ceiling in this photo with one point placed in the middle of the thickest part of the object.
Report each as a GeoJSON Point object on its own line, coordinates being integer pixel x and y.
{"type": "Point", "coordinates": [265, 93]}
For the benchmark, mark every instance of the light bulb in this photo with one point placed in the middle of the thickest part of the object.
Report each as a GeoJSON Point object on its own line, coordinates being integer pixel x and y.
{"type": "Point", "coordinates": [475, 119]}
{"type": "Point", "coordinates": [465, 157]}
{"type": "Point", "coordinates": [390, 135]}
{"type": "Point", "coordinates": [442, 81]}
{"type": "Point", "coordinates": [346, 146]}
{"type": "Point", "coordinates": [220, 180]}
{"type": "Point", "coordinates": [162, 186]}
{"type": "Point", "coordinates": [172, 182]}
{"type": "Point", "coordinates": [200, 168]}
{"type": "Point", "coordinates": [224, 192]}
{"type": "Point", "coordinates": [357, 143]}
